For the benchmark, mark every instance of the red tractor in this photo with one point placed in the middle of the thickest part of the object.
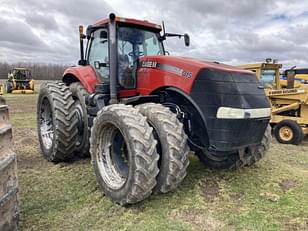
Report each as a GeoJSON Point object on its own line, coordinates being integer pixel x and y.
{"type": "Point", "coordinates": [139, 112]}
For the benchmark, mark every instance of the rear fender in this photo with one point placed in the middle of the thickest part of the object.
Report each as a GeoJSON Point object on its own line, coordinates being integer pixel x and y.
{"type": "Point", "coordinates": [83, 74]}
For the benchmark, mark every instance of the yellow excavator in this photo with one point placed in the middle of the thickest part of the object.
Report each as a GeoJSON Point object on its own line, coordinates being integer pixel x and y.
{"type": "Point", "coordinates": [19, 81]}
{"type": "Point", "coordinates": [289, 100]}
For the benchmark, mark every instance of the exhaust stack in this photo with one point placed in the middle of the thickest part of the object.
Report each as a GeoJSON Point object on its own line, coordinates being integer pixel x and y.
{"type": "Point", "coordinates": [113, 59]}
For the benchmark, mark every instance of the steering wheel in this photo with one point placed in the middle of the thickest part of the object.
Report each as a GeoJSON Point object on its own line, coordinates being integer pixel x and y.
{"type": "Point", "coordinates": [139, 53]}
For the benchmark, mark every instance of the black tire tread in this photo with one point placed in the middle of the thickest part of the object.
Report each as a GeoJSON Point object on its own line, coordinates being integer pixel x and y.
{"type": "Point", "coordinates": [175, 141]}
{"type": "Point", "coordinates": [65, 121]}
{"type": "Point", "coordinates": [144, 148]}
{"type": "Point", "coordinates": [79, 91]}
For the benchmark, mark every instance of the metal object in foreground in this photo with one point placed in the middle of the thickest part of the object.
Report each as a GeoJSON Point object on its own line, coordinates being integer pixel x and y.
{"type": "Point", "coordinates": [9, 209]}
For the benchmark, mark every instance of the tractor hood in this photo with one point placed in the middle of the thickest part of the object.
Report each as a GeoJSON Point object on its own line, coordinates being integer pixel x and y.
{"type": "Point", "coordinates": [187, 67]}
{"type": "Point", "coordinates": [231, 100]}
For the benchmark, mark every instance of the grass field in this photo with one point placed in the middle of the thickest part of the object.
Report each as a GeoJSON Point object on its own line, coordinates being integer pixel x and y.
{"type": "Point", "coordinates": [272, 195]}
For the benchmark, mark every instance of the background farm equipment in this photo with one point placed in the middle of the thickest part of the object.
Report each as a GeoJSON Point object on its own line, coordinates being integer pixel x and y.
{"type": "Point", "coordinates": [20, 81]}
{"type": "Point", "coordinates": [289, 100]}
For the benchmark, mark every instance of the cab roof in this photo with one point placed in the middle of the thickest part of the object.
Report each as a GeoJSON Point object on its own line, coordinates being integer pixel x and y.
{"type": "Point", "coordinates": [261, 65]}
{"type": "Point", "coordinates": [130, 21]}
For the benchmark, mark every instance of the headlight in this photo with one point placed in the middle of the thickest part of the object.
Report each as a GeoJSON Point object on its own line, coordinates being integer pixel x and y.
{"type": "Point", "coordinates": [239, 113]}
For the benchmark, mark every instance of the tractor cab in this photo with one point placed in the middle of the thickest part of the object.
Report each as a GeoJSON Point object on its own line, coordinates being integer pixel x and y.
{"type": "Point", "coordinates": [115, 47]}
{"type": "Point", "coordinates": [20, 74]}
{"type": "Point", "coordinates": [131, 44]}
{"type": "Point", "coordinates": [268, 73]}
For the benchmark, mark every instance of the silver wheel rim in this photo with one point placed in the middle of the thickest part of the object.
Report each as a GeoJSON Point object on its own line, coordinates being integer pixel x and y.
{"type": "Point", "coordinates": [112, 157]}
{"type": "Point", "coordinates": [80, 116]}
{"type": "Point", "coordinates": [46, 124]}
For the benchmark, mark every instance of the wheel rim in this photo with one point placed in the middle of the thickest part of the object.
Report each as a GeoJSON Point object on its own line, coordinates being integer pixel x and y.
{"type": "Point", "coordinates": [286, 133]}
{"type": "Point", "coordinates": [112, 157]}
{"type": "Point", "coordinates": [80, 116]}
{"type": "Point", "coordinates": [46, 124]}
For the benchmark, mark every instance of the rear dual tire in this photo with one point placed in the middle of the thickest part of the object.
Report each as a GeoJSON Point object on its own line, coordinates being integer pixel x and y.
{"type": "Point", "coordinates": [56, 122]}
{"type": "Point", "coordinates": [79, 95]}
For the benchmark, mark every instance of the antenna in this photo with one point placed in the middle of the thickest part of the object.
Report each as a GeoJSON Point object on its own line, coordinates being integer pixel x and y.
{"type": "Point", "coordinates": [163, 25]}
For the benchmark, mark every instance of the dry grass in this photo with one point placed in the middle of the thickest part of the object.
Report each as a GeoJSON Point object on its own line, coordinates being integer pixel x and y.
{"type": "Point", "coordinates": [273, 195]}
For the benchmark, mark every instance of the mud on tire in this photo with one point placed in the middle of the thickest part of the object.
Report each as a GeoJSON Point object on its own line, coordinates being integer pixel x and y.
{"type": "Point", "coordinates": [172, 145]}
{"type": "Point", "coordinates": [79, 94]}
{"type": "Point", "coordinates": [233, 161]}
{"type": "Point", "coordinates": [56, 122]}
{"type": "Point", "coordinates": [123, 152]}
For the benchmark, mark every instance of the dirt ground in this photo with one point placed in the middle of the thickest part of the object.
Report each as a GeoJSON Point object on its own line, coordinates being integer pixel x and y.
{"type": "Point", "coordinates": [272, 195]}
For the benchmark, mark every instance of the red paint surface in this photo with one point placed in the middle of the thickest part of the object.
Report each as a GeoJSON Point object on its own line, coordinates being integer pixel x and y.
{"type": "Point", "coordinates": [151, 79]}
{"type": "Point", "coordinates": [144, 23]}
{"type": "Point", "coordinates": [86, 76]}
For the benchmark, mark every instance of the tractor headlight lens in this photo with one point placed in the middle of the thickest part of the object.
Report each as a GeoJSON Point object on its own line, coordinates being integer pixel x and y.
{"type": "Point", "coordinates": [239, 113]}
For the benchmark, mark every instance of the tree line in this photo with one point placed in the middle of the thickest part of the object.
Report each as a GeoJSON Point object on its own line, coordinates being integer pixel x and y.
{"type": "Point", "coordinates": [39, 71]}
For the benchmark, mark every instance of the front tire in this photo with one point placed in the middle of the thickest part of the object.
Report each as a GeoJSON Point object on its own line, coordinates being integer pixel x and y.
{"type": "Point", "coordinates": [123, 152]}
{"type": "Point", "coordinates": [234, 161]}
{"type": "Point", "coordinates": [172, 145]}
{"type": "Point", "coordinates": [56, 122]}
{"type": "Point", "coordinates": [288, 132]}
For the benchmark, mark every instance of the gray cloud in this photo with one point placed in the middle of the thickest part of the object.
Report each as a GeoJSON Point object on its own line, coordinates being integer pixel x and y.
{"type": "Point", "coordinates": [229, 31]}
{"type": "Point", "coordinates": [18, 32]}
{"type": "Point", "coordinates": [42, 21]}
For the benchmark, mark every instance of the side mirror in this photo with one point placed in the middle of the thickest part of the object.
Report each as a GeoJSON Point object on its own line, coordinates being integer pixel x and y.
{"type": "Point", "coordinates": [97, 65]}
{"type": "Point", "coordinates": [186, 40]}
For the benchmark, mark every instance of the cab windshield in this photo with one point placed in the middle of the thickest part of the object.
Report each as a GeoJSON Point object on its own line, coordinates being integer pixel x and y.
{"type": "Point", "coordinates": [135, 42]}
{"type": "Point", "coordinates": [268, 78]}
{"type": "Point", "coordinates": [21, 74]}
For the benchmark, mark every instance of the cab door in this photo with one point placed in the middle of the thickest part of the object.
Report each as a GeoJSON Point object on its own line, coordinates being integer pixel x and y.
{"type": "Point", "coordinates": [98, 55]}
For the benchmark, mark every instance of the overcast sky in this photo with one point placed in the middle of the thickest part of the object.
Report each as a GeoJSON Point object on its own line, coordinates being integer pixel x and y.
{"type": "Point", "coordinates": [233, 32]}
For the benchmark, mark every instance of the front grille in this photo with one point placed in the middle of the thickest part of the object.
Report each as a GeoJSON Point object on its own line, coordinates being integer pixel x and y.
{"type": "Point", "coordinates": [215, 88]}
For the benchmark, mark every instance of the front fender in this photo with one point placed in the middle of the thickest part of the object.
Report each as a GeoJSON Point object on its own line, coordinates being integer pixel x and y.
{"type": "Point", "coordinates": [194, 121]}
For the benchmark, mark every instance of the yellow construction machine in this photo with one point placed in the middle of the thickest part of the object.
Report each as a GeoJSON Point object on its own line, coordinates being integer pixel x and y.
{"type": "Point", "coordinates": [1, 89]}
{"type": "Point", "coordinates": [20, 81]}
{"type": "Point", "coordinates": [301, 74]}
{"type": "Point", "coordinates": [289, 100]}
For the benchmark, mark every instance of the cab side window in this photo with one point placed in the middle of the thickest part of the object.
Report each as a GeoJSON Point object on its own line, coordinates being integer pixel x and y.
{"type": "Point", "coordinates": [98, 56]}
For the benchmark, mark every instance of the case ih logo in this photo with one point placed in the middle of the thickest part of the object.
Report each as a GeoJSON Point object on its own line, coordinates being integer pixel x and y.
{"type": "Point", "coordinates": [166, 67]}
{"type": "Point", "coordinates": [149, 64]}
